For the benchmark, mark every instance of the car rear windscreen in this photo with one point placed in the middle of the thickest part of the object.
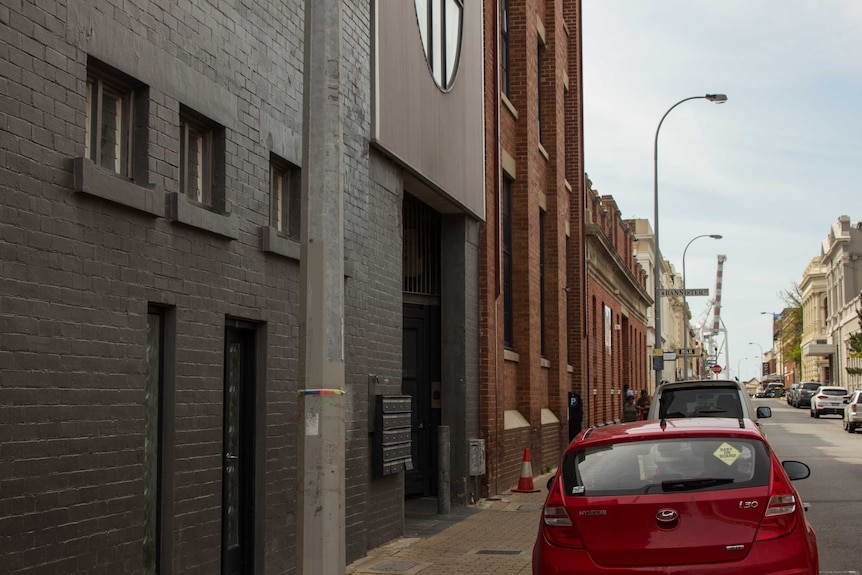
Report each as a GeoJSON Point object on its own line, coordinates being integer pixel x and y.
{"type": "Point", "coordinates": [666, 466]}
{"type": "Point", "coordinates": [700, 402]}
{"type": "Point", "coordinates": [833, 391]}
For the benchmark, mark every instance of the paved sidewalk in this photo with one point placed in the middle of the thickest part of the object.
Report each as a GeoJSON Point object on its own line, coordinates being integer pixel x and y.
{"type": "Point", "coordinates": [493, 537]}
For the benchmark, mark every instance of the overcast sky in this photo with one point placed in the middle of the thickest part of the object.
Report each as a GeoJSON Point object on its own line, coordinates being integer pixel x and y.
{"type": "Point", "coordinates": [770, 170]}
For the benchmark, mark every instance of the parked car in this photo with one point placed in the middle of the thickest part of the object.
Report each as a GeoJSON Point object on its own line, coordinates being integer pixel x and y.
{"type": "Point", "coordinates": [777, 389]}
{"type": "Point", "coordinates": [691, 496]}
{"type": "Point", "coordinates": [828, 400]}
{"type": "Point", "coordinates": [705, 398]}
{"type": "Point", "coordinates": [804, 392]}
{"type": "Point", "coordinates": [764, 393]}
{"type": "Point", "coordinates": [791, 392]}
{"type": "Point", "coordinates": [853, 412]}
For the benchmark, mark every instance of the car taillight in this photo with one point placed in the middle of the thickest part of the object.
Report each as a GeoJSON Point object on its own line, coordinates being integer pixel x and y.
{"type": "Point", "coordinates": [559, 528]}
{"type": "Point", "coordinates": [821, 396]}
{"type": "Point", "coordinates": [852, 408]}
{"type": "Point", "coordinates": [780, 516]}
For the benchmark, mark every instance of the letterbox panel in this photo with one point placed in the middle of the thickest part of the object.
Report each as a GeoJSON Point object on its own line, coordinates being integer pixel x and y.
{"type": "Point", "coordinates": [391, 445]}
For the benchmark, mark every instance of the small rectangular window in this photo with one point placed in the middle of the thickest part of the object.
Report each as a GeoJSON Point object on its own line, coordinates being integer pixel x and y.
{"type": "Point", "coordinates": [110, 121]}
{"type": "Point", "coordinates": [196, 160]}
{"type": "Point", "coordinates": [285, 195]}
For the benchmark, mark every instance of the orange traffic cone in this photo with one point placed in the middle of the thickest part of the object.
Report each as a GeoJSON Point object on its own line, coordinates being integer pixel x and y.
{"type": "Point", "coordinates": [525, 482]}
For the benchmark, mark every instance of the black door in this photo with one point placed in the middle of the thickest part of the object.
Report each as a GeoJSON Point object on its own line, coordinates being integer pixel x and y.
{"type": "Point", "coordinates": [421, 367]}
{"type": "Point", "coordinates": [238, 460]}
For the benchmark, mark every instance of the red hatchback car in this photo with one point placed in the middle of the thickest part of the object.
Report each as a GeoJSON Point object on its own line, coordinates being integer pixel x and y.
{"type": "Point", "coordinates": [681, 496]}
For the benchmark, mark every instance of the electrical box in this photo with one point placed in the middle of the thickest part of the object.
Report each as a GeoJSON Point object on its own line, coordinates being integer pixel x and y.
{"type": "Point", "coordinates": [477, 457]}
{"type": "Point", "coordinates": [391, 446]}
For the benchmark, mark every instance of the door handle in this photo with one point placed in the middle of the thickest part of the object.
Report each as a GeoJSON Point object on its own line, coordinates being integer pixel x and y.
{"type": "Point", "coordinates": [230, 457]}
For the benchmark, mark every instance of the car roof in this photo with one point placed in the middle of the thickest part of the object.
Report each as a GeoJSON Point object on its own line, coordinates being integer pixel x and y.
{"type": "Point", "coordinates": [657, 429]}
{"type": "Point", "coordinates": [701, 383]}
{"type": "Point", "coordinates": [832, 387]}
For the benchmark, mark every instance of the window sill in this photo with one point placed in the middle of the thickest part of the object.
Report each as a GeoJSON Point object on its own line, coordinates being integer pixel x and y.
{"type": "Point", "coordinates": [509, 355]}
{"type": "Point", "coordinates": [544, 152]}
{"type": "Point", "coordinates": [509, 105]}
{"type": "Point", "coordinates": [545, 363]}
{"type": "Point", "coordinates": [180, 210]}
{"type": "Point", "coordinates": [95, 181]}
{"type": "Point", "coordinates": [275, 243]}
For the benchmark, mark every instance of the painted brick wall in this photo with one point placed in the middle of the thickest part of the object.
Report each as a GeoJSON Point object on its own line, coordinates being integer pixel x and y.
{"type": "Point", "coordinates": [79, 271]}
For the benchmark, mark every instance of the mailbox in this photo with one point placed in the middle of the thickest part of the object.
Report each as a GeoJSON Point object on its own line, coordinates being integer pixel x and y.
{"type": "Point", "coordinates": [391, 446]}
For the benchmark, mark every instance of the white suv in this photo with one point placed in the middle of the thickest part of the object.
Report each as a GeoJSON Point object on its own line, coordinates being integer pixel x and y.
{"type": "Point", "coordinates": [705, 398]}
{"type": "Point", "coordinates": [853, 412]}
{"type": "Point", "coordinates": [828, 399]}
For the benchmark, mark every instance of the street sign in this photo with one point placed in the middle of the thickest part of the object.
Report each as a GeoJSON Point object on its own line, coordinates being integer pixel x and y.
{"type": "Point", "coordinates": [693, 292]}
{"type": "Point", "coordinates": [692, 352]}
{"type": "Point", "coordinates": [716, 369]}
{"type": "Point", "coordinates": [670, 356]}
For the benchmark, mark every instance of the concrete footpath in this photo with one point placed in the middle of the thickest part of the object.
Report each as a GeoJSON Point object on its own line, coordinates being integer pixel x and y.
{"type": "Point", "coordinates": [493, 537]}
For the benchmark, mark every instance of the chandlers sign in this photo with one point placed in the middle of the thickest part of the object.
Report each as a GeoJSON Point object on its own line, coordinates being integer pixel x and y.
{"type": "Point", "coordinates": [684, 292]}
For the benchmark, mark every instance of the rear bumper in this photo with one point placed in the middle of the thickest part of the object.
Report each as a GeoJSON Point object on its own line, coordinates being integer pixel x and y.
{"type": "Point", "coordinates": [830, 410]}
{"type": "Point", "coordinates": [789, 555]}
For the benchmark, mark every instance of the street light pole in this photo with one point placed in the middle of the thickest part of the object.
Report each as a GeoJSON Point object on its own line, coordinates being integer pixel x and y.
{"type": "Point", "coordinates": [737, 367]}
{"type": "Point", "coordinates": [718, 99]}
{"type": "Point", "coordinates": [761, 355]}
{"type": "Point", "coordinates": [685, 306]}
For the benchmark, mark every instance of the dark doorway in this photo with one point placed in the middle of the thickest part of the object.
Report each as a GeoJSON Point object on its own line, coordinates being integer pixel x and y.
{"type": "Point", "coordinates": [238, 458]}
{"type": "Point", "coordinates": [420, 380]}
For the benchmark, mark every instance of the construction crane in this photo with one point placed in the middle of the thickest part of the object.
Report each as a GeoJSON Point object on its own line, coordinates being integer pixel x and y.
{"type": "Point", "coordinates": [709, 334]}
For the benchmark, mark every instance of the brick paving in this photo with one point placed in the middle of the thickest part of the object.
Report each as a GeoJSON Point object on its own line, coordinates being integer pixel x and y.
{"type": "Point", "coordinates": [495, 537]}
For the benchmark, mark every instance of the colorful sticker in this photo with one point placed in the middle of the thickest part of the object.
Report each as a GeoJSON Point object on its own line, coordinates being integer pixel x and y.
{"type": "Point", "coordinates": [578, 490]}
{"type": "Point", "coordinates": [727, 454]}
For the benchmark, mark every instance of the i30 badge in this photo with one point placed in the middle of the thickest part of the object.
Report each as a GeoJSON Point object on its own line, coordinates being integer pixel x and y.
{"type": "Point", "coordinates": [667, 516]}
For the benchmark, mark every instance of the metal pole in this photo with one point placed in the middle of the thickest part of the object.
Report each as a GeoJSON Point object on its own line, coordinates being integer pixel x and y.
{"type": "Point", "coordinates": [718, 98]}
{"type": "Point", "coordinates": [444, 500]}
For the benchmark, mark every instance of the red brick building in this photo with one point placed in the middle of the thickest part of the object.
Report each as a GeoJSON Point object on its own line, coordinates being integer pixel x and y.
{"type": "Point", "coordinates": [532, 275]}
{"type": "Point", "coordinates": [617, 305]}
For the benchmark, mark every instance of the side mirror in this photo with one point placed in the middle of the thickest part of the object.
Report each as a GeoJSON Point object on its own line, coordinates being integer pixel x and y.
{"type": "Point", "coordinates": [764, 412]}
{"type": "Point", "coordinates": [796, 470]}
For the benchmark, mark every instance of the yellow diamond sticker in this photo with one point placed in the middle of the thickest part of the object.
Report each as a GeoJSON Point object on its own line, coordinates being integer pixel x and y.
{"type": "Point", "coordinates": [727, 454]}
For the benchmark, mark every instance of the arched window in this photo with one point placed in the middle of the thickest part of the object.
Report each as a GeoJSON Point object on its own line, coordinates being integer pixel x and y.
{"type": "Point", "coordinates": [440, 24]}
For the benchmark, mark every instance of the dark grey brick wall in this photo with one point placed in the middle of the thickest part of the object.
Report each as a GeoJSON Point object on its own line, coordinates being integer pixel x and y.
{"type": "Point", "coordinates": [77, 273]}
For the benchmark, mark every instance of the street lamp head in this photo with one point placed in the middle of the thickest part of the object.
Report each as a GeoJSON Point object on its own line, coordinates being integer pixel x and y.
{"type": "Point", "coordinates": [715, 236]}
{"type": "Point", "coordinates": [717, 98]}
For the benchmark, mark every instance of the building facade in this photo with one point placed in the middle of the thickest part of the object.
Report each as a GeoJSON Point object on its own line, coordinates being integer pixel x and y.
{"type": "Point", "coordinates": [617, 311]}
{"type": "Point", "coordinates": [815, 339]}
{"type": "Point", "coordinates": [841, 260]}
{"type": "Point", "coordinates": [153, 240]}
{"type": "Point", "coordinates": [532, 285]}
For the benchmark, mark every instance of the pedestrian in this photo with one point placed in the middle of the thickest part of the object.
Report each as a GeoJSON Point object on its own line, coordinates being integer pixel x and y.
{"type": "Point", "coordinates": [643, 405]}
{"type": "Point", "coordinates": [630, 410]}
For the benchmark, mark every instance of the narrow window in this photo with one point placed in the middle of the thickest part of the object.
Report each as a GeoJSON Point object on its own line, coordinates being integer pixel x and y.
{"type": "Point", "coordinates": [285, 195]}
{"type": "Point", "coordinates": [540, 53]}
{"type": "Point", "coordinates": [154, 408]}
{"type": "Point", "coordinates": [504, 47]}
{"type": "Point", "coordinates": [196, 160]}
{"type": "Point", "coordinates": [508, 301]}
{"type": "Point", "coordinates": [542, 218]}
{"type": "Point", "coordinates": [110, 121]}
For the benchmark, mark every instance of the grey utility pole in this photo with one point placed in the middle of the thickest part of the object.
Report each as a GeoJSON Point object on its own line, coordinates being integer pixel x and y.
{"type": "Point", "coordinates": [320, 465]}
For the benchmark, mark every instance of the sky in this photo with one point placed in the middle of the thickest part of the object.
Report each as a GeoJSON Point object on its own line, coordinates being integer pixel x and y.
{"type": "Point", "coordinates": [770, 170]}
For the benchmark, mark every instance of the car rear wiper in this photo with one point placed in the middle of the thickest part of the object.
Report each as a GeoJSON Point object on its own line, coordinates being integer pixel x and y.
{"type": "Point", "coordinates": [698, 483]}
